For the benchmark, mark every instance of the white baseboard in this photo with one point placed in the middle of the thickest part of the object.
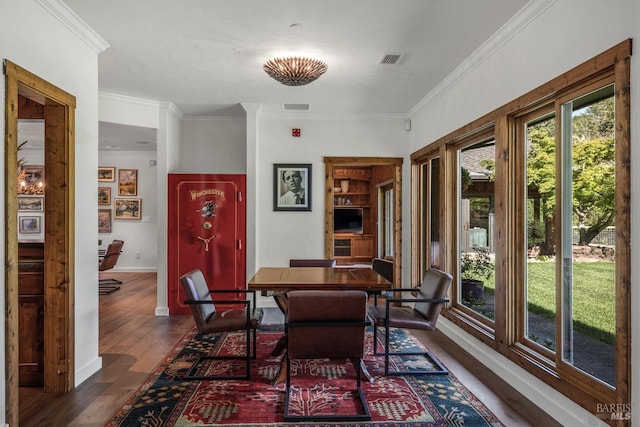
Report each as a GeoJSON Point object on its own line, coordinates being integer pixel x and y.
{"type": "Point", "coordinates": [559, 407]}
{"type": "Point", "coordinates": [86, 371]}
{"type": "Point", "coordinates": [162, 311]}
{"type": "Point", "coordinates": [150, 269]}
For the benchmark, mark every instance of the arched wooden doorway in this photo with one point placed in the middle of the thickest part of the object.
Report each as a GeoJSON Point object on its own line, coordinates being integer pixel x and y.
{"type": "Point", "coordinates": [58, 112]}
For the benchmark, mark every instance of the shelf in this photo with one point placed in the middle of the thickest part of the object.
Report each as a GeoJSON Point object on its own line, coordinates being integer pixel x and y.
{"type": "Point", "coordinates": [363, 174]}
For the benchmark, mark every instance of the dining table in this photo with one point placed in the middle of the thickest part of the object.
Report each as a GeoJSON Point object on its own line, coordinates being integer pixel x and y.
{"type": "Point", "coordinates": [284, 279]}
{"type": "Point", "coordinates": [280, 280]}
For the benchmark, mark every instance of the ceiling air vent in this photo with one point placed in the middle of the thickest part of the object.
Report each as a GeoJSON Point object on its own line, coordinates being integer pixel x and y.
{"type": "Point", "coordinates": [390, 58]}
{"type": "Point", "coordinates": [295, 107]}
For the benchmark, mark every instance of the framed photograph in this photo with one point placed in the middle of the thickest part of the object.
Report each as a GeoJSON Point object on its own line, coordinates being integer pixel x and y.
{"type": "Point", "coordinates": [29, 224]}
{"type": "Point", "coordinates": [106, 173]}
{"type": "Point", "coordinates": [31, 180]}
{"type": "Point", "coordinates": [104, 220]}
{"type": "Point", "coordinates": [291, 187]}
{"type": "Point", "coordinates": [33, 204]}
{"type": "Point", "coordinates": [127, 182]}
{"type": "Point", "coordinates": [127, 208]}
{"type": "Point", "coordinates": [104, 195]}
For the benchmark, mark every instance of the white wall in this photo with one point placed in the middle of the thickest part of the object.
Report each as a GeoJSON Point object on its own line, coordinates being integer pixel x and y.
{"type": "Point", "coordinates": [56, 54]}
{"type": "Point", "coordinates": [213, 145]}
{"type": "Point", "coordinates": [220, 146]}
{"type": "Point", "coordinates": [167, 119]}
{"type": "Point", "coordinates": [564, 34]}
{"type": "Point", "coordinates": [140, 250]}
{"type": "Point", "coordinates": [285, 235]}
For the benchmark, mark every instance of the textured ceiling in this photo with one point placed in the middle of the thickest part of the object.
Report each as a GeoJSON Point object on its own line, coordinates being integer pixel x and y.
{"type": "Point", "coordinates": [206, 56]}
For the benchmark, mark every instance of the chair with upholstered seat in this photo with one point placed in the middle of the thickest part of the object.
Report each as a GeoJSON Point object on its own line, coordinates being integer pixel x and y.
{"type": "Point", "coordinates": [210, 320]}
{"type": "Point", "coordinates": [383, 267]}
{"type": "Point", "coordinates": [428, 301]}
{"type": "Point", "coordinates": [281, 297]}
{"type": "Point", "coordinates": [326, 325]}
{"type": "Point", "coordinates": [107, 262]}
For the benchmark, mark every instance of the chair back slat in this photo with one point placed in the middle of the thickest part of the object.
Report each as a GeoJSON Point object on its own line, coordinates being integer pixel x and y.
{"type": "Point", "coordinates": [196, 289]}
{"type": "Point", "coordinates": [326, 324]}
{"type": "Point", "coordinates": [383, 267]}
{"type": "Point", "coordinates": [111, 255]}
{"type": "Point", "coordinates": [435, 285]}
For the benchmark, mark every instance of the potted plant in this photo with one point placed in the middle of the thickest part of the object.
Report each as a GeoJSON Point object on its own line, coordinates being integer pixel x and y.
{"type": "Point", "coordinates": [475, 267]}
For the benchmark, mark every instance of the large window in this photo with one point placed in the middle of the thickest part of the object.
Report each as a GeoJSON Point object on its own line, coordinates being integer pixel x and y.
{"type": "Point", "coordinates": [386, 207]}
{"type": "Point", "coordinates": [537, 229]}
{"type": "Point", "coordinates": [476, 228]}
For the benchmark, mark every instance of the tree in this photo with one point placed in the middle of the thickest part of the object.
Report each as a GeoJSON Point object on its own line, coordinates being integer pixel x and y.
{"type": "Point", "coordinates": [593, 151]}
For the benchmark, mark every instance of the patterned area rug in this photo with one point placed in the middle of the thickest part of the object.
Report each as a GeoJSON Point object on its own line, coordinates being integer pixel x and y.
{"type": "Point", "coordinates": [319, 387]}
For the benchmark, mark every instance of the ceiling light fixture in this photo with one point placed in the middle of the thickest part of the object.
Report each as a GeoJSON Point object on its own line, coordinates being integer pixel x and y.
{"type": "Point", "coordinates": [295, 71]}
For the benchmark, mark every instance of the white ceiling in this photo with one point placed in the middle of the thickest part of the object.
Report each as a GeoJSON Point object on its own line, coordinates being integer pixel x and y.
{"type": "Point", "coordinates": [206, 56]}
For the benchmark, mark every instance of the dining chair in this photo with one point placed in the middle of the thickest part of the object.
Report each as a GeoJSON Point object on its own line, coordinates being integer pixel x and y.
{"type": "Point", "coordinates": [383, 267]}
{"type": "Point", "coordinates": [209, 320]}
{"type": "Point", "coordinates": [281, 297]}
{"type": "Point", "coordinates": [326, 325]}
{"type": "Point", "coordinates": [427, 304]}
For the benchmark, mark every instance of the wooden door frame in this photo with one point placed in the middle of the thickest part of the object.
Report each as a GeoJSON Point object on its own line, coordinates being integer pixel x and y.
{"type": "Point", "coordinates": [396, 162]}
{"type": "Point", "coordinates": [59, 117]}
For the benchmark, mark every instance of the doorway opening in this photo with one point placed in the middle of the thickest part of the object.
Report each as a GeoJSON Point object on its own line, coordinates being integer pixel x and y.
{"type": "Point", "coordinates": [353, 210]}
{"type": "Point", "coordinates": [28, 95]}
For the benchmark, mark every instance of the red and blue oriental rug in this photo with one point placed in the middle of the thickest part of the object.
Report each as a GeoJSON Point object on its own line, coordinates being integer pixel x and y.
{"type": "Point", "coordinates": [320, 387]}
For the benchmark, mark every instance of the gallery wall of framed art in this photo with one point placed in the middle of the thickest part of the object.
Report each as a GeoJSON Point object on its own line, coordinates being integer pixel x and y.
{"type": "Point", "coordinates": [123, 183]}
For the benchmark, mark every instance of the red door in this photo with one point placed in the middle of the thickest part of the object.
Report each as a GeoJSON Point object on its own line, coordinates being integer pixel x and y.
{"type": "Point", "coordinates": [207, 219]}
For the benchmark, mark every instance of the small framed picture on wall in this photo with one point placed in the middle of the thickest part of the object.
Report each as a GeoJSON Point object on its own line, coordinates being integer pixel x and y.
{"type": "Point", "coordinates": [106, 173]}
{"type": "Point", "coordinates": [127, 182]}
{"type": "Point", "coordinates": [35, 203]}
{"type": "Point", "coordinates": [104, 220]}
{"type": "Point", "coordinates": [29, 224]}
{"type": "Point", "coordinates": [127, 208]}
{"type": "Point", "coordinates": [291, 187]}
{"type": "Point", "coordinates": [104, 195]}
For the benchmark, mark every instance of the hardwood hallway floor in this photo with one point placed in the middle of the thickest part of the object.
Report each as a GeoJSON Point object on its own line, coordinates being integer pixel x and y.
{"type": "Point", "coordinates": [133, 341]}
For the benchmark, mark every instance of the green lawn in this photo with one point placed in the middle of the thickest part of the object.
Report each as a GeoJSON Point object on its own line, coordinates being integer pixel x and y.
{"type": "Point", "coordinates": [593, 296]}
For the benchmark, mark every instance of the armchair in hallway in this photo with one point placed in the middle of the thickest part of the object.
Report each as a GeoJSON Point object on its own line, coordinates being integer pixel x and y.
{"type": "Point", "coordinates": [107, 262]}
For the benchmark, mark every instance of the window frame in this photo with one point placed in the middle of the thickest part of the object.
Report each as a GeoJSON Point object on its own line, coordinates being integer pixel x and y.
{"type": "Point", "coordinates": [506, 338]}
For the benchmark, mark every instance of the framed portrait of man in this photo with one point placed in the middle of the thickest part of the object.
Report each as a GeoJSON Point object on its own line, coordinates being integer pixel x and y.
{"type": "Point", "coordinates": [291, 187]}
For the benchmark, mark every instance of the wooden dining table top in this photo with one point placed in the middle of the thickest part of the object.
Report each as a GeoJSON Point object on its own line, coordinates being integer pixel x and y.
{"type": "Point", "coordinates": [317, 278]}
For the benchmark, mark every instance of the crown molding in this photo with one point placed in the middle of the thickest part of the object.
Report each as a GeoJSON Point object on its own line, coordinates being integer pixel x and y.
{"type": "Point", "coordinates": [215, 119]}
{"type": "Point", "coordinates": [72, 21]}
{"type": "Point", "coordinates": [509, 30]}
{"type": "Point", "coordinates": [108, 96]}
{"type": "Point", "coordinates": [173, 110]}
{"type": "Point", "coordinates": [305, 115]}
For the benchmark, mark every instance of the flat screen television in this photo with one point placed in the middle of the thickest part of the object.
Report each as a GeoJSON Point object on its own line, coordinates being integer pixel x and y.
{"type": "Point", "coordinates": [347, 220]}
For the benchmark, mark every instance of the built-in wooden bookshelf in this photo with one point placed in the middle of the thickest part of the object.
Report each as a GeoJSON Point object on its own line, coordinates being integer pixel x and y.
{"type": "Point", "coordinates": [354, 233]}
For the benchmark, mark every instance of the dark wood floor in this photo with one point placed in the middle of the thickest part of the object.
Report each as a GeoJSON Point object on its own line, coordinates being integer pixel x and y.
{"type": "Point", "coordinates": [133, 341]}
